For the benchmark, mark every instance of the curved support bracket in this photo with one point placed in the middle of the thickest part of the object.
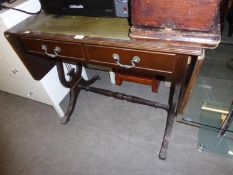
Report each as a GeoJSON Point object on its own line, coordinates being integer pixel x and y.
{"type": "Point", "coordinates": [75, 83]}
{"type": "Point", "coordinates": [74, 76]}
{"type": "Point", "coordinates": [74, 92]}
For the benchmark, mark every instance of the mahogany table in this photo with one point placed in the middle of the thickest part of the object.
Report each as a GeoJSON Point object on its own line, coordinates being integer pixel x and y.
{"type": "Point", "coordinates": [44, 41]}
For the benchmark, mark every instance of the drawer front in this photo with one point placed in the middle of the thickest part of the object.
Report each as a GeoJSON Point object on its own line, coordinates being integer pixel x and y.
{"type": "Point", "coordinates": [128, 58]}
{"type": "Point", "coordinates": [53, 48]}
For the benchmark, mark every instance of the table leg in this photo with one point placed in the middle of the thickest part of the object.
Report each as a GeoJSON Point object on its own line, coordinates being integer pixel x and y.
{"type": "Point", "coordinates": [74, 92]}
{"type": "Point", "coordinates": [74, 84]}
{"type": "Point", "coordinates": [170, 121]}
{"type": "Point", "coordinates": [229, 19]}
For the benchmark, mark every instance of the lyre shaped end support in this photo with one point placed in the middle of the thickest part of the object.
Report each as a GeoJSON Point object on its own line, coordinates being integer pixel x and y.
{"type": "Point", "coordinates": [75, 84]}
{"type": "Point", "coordinates": [74, 76]}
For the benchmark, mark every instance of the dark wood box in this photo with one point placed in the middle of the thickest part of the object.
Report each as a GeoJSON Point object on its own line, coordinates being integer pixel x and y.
{"type": "Point", "coordinates": [195, 15]}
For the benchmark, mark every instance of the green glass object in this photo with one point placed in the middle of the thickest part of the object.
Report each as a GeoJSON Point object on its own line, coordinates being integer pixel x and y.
{"type": "Point", "coordinates": [209, 141]}
{"type": "Point", "coordinates": [210, 123]}
{"type": "Point", "coordinates": [210, 115]}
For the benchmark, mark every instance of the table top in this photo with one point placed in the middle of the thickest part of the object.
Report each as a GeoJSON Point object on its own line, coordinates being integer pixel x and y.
{"type": "Point", "coordinates": [112, 28]}
{"type": "Point", "coordinates": [95, 30]}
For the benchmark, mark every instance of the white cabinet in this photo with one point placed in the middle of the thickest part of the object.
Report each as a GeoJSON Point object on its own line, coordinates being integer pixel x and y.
{"type": "Point", "coordinates": [14, 77]}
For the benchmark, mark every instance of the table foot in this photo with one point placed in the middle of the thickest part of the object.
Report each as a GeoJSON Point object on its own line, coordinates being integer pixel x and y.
{"type": "Point", "coordinates": [162, 154]}
{"type": "Point", "coordinates": [169, 125]}
{"type": "Point", "coordinates": [74, 92]}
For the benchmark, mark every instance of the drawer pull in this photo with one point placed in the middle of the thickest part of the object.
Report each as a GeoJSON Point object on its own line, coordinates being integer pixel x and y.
{"type": "Point", "coordinates": [14, 72]}
{"type": "Point", "coordinates": [29, 94]}
{"type": "Point", "coordinates": [135, 60]}
{"type": "Point", "coordinates": [56, 50]}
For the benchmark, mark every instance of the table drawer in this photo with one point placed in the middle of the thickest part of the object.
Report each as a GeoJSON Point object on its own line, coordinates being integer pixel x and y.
{"type": "Point", "coordinates": [129, 58]}
{"type": "Point", "coordinates": [53, 48]}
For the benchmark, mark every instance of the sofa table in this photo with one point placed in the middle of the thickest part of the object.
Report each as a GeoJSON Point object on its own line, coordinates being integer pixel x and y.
{"type": "Point", "coordinates": [44, 41]}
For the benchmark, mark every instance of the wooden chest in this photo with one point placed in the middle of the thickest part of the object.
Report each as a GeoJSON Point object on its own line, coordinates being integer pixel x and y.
{"type": "Point", "coordinates": [195, 15]}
